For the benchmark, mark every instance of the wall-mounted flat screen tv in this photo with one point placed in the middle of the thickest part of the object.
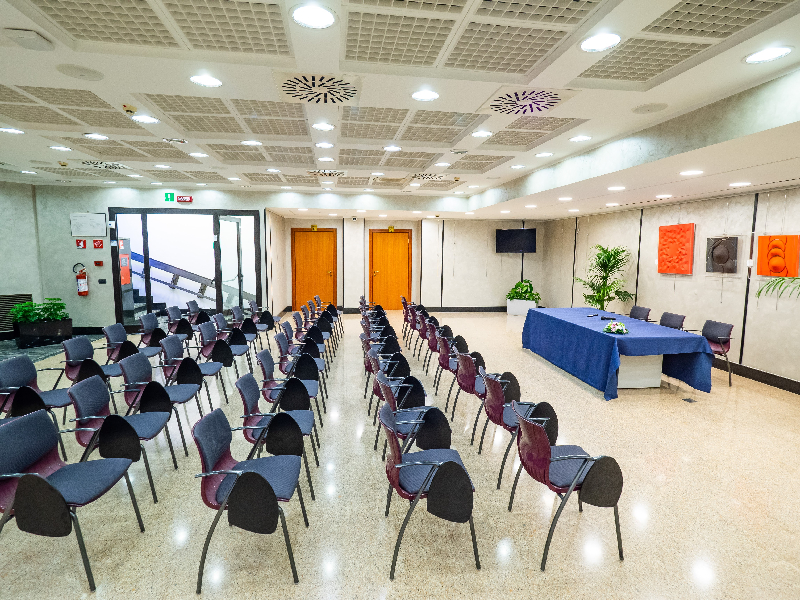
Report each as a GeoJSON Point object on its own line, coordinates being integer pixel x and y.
{"type": "Point", "coordinates": [516, 241]}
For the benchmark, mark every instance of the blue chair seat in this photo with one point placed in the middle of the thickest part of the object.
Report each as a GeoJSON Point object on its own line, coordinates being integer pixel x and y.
{"type": "Point", "coordinates": [250, 336]}
{"type": "Point", "coordinates": [281, 472]}
{"type": "Point", "coordinates": [149, 351]}
{"type": "Point", "coordinates": [453, 364]}
{"type": "Point", "coordinates": [181, 336]}
{"type": "Point", "coordinates": [412, 478]}
{"type": "Point", "coordinates": [210, 368]}
{"type": "Point", "coordinates": [326, 335]}
{"type": "Point", "coordinates": [239, 350]}
{"type": "Point", "coordinates": [181, 392]}
{"type": "Point", "coordinates": [403, 429]}
{"type": "Point", "coordinates": [148, 425]}
{"type": "Point", "coordinates": [112, 370]}
{"type": "Point", "coordinates": [563, 472]}
{"type": "Point", "coordinates": [84, 482]}
{"type": "Point", "coordinates": [320, 364]}
{"type": "Point", "coordinates": [56, 398]}
{"type": "Point", "coordinates": [312, 387]}
{"type": "Point", "coordinates": [303, 418]}
{"type": "Point", "coordinates": [261, 327]}
{"type": "Point", "coordinates": [509, 416]}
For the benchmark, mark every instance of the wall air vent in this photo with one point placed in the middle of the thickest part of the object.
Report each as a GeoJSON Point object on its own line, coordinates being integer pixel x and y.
{"type": "Point", "coordinates": [512, 100]}
{"type": "Point", "coordinates": [317, 89]}
{"type": "Point", "coordinates": [99, 164]}
{"type": "Point", "coordinates": [327, 173]}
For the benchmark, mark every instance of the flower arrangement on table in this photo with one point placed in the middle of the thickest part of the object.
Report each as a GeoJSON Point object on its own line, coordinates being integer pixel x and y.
{"type": "Point", "coordinates": [616, 327]}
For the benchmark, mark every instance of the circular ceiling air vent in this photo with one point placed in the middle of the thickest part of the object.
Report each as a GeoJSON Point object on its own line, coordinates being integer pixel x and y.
{"type": "Point", "coordinates": [525, 102]}
{"type": "Point", "coordinates": [319, 89]}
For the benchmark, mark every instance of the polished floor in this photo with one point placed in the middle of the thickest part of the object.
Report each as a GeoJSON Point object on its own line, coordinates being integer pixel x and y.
{"type": "Point", "coordinates": [709, 509]}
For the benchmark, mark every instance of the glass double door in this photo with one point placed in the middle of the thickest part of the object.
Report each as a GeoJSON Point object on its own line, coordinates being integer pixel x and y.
{"type": "Point", "coordinates": [169, 258]}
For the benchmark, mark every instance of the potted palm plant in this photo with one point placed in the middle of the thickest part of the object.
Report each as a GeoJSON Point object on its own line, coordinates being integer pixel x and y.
{"type": "Point", "coordinates": [601, 279]}
{"type": "Point", "coordinates": [40, 324]}
{"type": "Point", "coordinates": [521, 298]}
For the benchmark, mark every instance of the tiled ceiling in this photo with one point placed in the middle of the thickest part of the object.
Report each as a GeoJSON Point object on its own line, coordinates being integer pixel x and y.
{"type": "Point", "coordinates": [263, 177]}
{"type": "Point", "coordinates": [713, 18]}
{"type": "Point", "coordinates": [395, 39]}
{"type": "Point", "coordinates": [441, 6]}
{"type": "Point", "coordinates": [477, 163]}
{"type": "Point", "coordinates": [642, 59]}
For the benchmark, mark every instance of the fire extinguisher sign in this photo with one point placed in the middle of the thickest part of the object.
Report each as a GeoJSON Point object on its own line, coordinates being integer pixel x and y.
{"type": "Point", "coordinates": [80, 244]}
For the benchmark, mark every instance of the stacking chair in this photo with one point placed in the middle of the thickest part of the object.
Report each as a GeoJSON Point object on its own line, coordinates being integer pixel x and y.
{"type": "Point", "coordinates": [564, 469]}
{"type": "Point", "coordinates": [468, 380]}
{"type": "Point", "coordinates": [246, 324]}
{"type": "Point", "coordinates": [218, 350]}
{"type": "Point", "coordinates": [719, 338]}
{"type": "Point", "coordinates": [249, 489]}
{"type": "Point", "coordinates": [432, 347]}
{"type": "Point", "coordinates": [293, 345]}
{"type": "Point", "coordinates": [150, 333]}
{"type": "Point", "coordinates": [26, 401]}
{"type": "Point", "coordinates": [314, 334]}
{"type": "Point", "coordinates": [177, 325]}
{"type": "Point", "coordinates": [91, 399]}
{"type": "Point", "coordinates": [19, 372]}
{"type": "Point", "coordinates": [410, 405]}
{"type": "Point", "coordinates": [511, 391]}
{"type": "Point", "coordinates": [235, 338]}
{"type": "Point", "coordinates": [80, 364]}
{"type": "Point", "coordinates": [42, 492]}
{"type": "Point", "coordinates": [672, 320]}
{"type": "Point", "coordinates": [640, 313]}
{"type": "Point", "coordinates": [194, 311]}
{"type": "Point", "coordinates": [325, 324]}
{"type": "Point", "coordinates": [137, 372]}
{"type": "Point", "coordinates": [116, 347]}
{"type": "Point", "coordinates": [395, 367]}
{"type": "Point", "coordinates": [446, 362]}
{"type": "Point", "coordinates": [264, 321]}
{"type": "Point", "coordinates": [334, 312]}
{"type": "Point", "coordinates": [436, 474]}
{"type": "Point", "coordinates": [312, 367]}
{"type": "Point", "coordinates": [184, 370]}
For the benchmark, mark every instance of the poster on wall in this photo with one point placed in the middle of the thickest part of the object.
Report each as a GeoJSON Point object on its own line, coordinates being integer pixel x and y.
{"type": "Point", "coordinates": [721, 254]}
{"type": "Point", "coordinates": [88, 224]}
{"type": "Point", "coordinates": [778, 255]}
{"type": "Point", "coordinates": [676, 249]}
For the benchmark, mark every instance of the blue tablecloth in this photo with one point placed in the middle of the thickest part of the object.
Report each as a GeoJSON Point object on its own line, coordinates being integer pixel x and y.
{"type": "Point", "coordinates": [571, 340]}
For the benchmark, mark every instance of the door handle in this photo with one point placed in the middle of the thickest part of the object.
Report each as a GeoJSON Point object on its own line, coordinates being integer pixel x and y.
{"type": "Point", "coordinates": [330, 272]}
{"type": "Point", "coordinates": [375, 272]}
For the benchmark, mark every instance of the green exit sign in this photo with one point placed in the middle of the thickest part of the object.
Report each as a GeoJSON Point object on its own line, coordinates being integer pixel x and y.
{"type": "Point", "coordinates": [169, 197]}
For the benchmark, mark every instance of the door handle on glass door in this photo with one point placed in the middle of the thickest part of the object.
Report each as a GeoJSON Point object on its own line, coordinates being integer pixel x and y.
{"type": "Point", "coordinates": [330, 272]}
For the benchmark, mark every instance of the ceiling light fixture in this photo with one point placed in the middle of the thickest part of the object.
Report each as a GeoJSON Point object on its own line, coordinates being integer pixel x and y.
{"type": "Point", "coordinates": [416, 212]}
{"type": "Point", "coordinates": [431, 216]}
{"type": "Point", "coordinates": [415, 184]}
{"type": "Point", "coordinates": [251, 143]}
{"type": "Point", "coordinates": [460, 192]}
{"type": "Point", "coordinates": [580, 138]}
{"type": "Point", "coordinates": [600, 42]}
{"type": "Point", "coordinates": [381, 215]}
{"type": "Point", "coordinates": [612, 203]}
{"type": "Point", "coordinates": [473, 186]}
{"type": "Point", "coordinates": [313, 16]}
{"type": "Point", "coordinates": [11, 130]}
{"type": "Point", "coordinates": [661, 196]}
{"type": "Point", "coordinates": [198, 154]}
{"type": "Point", "coordinates": [767, 55]}
{"type": "Point", "coordinates": [505, 211]}
{"type": "Point", "coordinates": [544, 154]}
{"type": "Point", "coordinates": [517, 166]}
{"type": "Point", "coordinates": [740, 184]}
{"type": "Point", "coordinates": [482, 133]}
{"type": "Point", "coordinates": [135, 175]}
{"type": "Point", "coordinates": [95, 136]}
{"type": "Point", "coordinates": [162, 166]}
{"type": "Point", "coordinates": [286, 187]}
{"type": "Point", "coordinates": [377, 174]}
{"type": "Point", "coordinates": [29, 172]}
{"type": "Point", "coordinates": [234, 179]}
{"type": "Point", "coordinates": [302, 209]}
{"type": "Point", "coordinates": [201, 184]}
{"type": "Point", "coordinates": [327, 189]}
{"type": "Point", "coordinates": [331, 214]}
{"type": "Point", "coordinates": [156, 183]}
{"type": "Point", "coordinates": [425, 95]}
{"type": "Point", "coordinates": [573, 210]}
{"type": "Point", "coordinates": [565, 198]}
{"type": "Point", "coordinates": [369, 190]}
{"type": "Point", "coordinates": [205, 81]}
{"type": "Point", "coordinates": [324, 145]}
{"type": "Point", "coordinates": [325, 159]}
{"type": "Point", "coordinates": [273, 170]}
{"type": "Point", "coordinates": [361, 210]}
{"type": "Point", "coordinates": [689, 173]}
{"type": "Point", "coordinates": [442, 164]}
{"type": "Point", "coordinates": [61, 148]}
{"type": "Point", "coordinates": [109, 182]}
{"type": "Point", "coordinates": [323, 126]}
{"type": "Point", "coordinates": [327, 183]}
{"type": "Point", "coordinates": [392, 148]}
{"type": "Point", "coordinates": [616, 188]}
{"type": "Point", "coordinates": [469, 213]}
{"type": "Point", "coordinates": [147, 120]}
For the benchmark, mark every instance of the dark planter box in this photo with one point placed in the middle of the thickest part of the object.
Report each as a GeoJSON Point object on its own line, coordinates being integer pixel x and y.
{"type": "Point", "coordinates": [43, 333]}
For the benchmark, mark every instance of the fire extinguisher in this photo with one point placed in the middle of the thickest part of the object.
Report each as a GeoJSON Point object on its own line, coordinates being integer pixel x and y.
{"type": "Point", "coordinates": [81, 279]}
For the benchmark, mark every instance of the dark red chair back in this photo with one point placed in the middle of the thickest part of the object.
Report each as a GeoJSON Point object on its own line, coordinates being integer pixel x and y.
{"type": "Point", "coordinates": [534, 448]}
{"type": "Point", "coordinates": [465, 375]}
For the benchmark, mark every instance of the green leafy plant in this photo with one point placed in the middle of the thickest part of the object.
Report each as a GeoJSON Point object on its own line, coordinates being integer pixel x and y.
{"type": "Point", "coordinates": [523, 290]}
{"type": "Point", "coordinates": [52, 309]}
{"type": "Point", "coordinates": [780, 285]}
{"type": "Point", "coordinates": [601, 278]}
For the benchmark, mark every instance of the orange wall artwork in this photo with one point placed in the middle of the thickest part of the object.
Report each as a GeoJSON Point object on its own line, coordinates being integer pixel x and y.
{"type": "Point", "coordinates": [778, 255]}
{"type": "Point", "coordinates": [676, 249]}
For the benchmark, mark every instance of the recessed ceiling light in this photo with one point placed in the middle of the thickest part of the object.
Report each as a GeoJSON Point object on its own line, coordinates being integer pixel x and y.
{"type": "Point", "coordinates": [469, 213]}
{"type": "Point", "coordinates": [302, 209]}
{"type": "Point", "coordinates": [530, 206]}
{"type": "Point", "coordinates": [109, 182]}
{"type": "Point", "coordinates": [416, 212]}
{"type": "Point", "coordinates": [473, 186]}
{"type": "Point", "coordinates": [425, 95]}
{"type": "Point", "coordinates": [313, 16]}
{"type": "Point", "coordinates": [155, 183]}
{"type": "Point", "coordinates": [612, 203]}
{"type": "Point", "coordinates": [95, 136]}
{"type": "Point", "coordinates": [205, 80]}
{"type": "Point", "coordinates": [162, 166]}
{"type": "Point", "coordinates": [740, 184]}
{"type": "Point", "coordinates": [286, 187]}
{"type": "Point", "coordinates": [442, 164]}
{"type": "Point", "coordinates": [327, 182]}
{"type": "Point", "coordinates": [381, 215]}
{"type": "Point", "coordinates": [146, 119]}
{"type": "Point", "coordinates": [482, 133]}
{"type": "Point", "coordinates": [246, 186]}
{"type": "Point", "coordinates": [616, 188]}
{"type": "Point", "coordinates": [415, 184]}
{"type": "Point", "coordinates": [664, 196]}
{"type": "Point", "coordinates": [431, 216]}
{"type": "Point", "coordinates": [175, 140]}
{"type": "Point", "coordinates": [324, 145]}
{"type": "Point", "coordinates": [234, 179]}
{"type": "Point", "coordinates": [544, 154]}
{"type": "Point", "coordinates": [517, 166]}
{"type": "Point", "coordinates": [61, 148]}
{"type": "Point", "coordinates": [251, 143]}
{"type": "Point", "coordinates": [361, 210]}
{"type": "Point", "coordinates": [331, 214]}
{"type": "Point", "coordinates": [505, 211]}
{"type": "Point", "coordinates": [600, 42]}
{"type": "Point", "coordinates": [11, 130]}
{"type": "Point", "coordinates": [767, 55]}
{"type": "Point", "coordinates": [323, 126]}
{"type": "Point", "coordinates": [201, 184]}
{"type": "Point", "coordinates": [327, 189]}
{"type": "Point", "coordinates": [29, 172]}
{"type": "Point", "coordinates": [377, 174]}
{"type": "Point", "coordinates": [198, 154]}
{"type": "Point", "coordinates": [368, 190]}
{"type": "Point", "coordinates": [565, 198]}
{"type": "Point", "coordinates": [459, 192]}
{"type": "Point", "coordinates": [687, 173]}
{"type": "Point", "coordinates": [573, 210]}
{"type": "Point", "coordinates": [135, 175]}
{"type": "Point", "coordinates": [273, 170]}
{"type": "Point", "coordinates": [392, 148]}
{"type": "Point", "coordinates": [325, 159]}
{"type": "Point", "coordinates": [580, 138]}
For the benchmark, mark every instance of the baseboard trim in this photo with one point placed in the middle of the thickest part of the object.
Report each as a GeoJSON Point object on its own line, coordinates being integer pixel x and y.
{"type": "Point", "coordinates": [6, 335]}
{"type": "Point", "coordinates": [466, 308]}
{"type": "Point", "coordinates": [776, 381]}
{"type": "Point", "coordinates": [93, 330]}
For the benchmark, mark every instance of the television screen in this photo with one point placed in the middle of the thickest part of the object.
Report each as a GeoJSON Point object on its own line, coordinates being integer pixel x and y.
{"type": "Point", "coordinates": [516, 240]}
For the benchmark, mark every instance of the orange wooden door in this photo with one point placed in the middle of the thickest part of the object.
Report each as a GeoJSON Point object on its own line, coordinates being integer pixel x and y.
{"type": "Point", "coordinates": [389, 267]}
{"type": "Point", "coordinates": [313, 266]}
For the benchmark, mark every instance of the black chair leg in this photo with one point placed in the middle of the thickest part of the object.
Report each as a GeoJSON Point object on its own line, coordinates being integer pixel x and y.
{"type": "Point", "coordinates": [288, 545]}
{"type": "Point", "coordinates": [503, 464]}
{"type": "Point", "coordinates": [483, 435]}
{"type": "Point", "coordinates": [377, 435]}
{"type": "Point", "coordinates": [308, 474]}
{"type": "Point", "coordinates": [475, 426]}
{"type": "Point", "coordinates": [558, 514]}
{"type": "Point", "coordinates": [149, 474]}
{"type": "Point", "coordinates": [180, 429]}
{"type": "Point", "coordinates": [171, 449]}
{"type": "Point", "coordinates": [448, 393]}
{"type": "Point", "coordinates": [224, 391]}
{"type": "Point", "coordinates": [208, 393]}
{"type": "Point", "coordinates": [366, 385]}
{"type": "Point", "coordinates": [455, 401]}
{"type": "Point", "coordinates": [236, 368]}
{"type": "Point", "coordinates": [400, 535]}
{"type": "Point", "coordinates": [208, 541]}
{"type": "Point", "coordinates": [727, 360]}
{"type": "Point", "coordinates": [302, 504]}
{"type": "Point", "coordinates": [514, 488]}
{"type": "Point", "coordinates": [314, 449]}
{"type": "Point", "coordinates": [85, 557]}
{"type": "Point", "coordinates": [619, 535]}
{"type": "Point", "coordinates": [199, 408]}
{"type": "Point", "coordinates": [474, 543]}
{"type": "Point", "coordinates": [60, 441]}
{"type": "Point", "coordinates": [133, 500]}
{"type": "Point", "coordinates": [388, 499]}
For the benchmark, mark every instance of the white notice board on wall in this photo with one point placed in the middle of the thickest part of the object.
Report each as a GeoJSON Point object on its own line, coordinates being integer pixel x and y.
{"type": "Point", "coordinates": [88, 224]}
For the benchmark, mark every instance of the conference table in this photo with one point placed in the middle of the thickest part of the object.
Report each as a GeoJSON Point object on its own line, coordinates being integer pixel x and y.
{"type": "Point", "coordinates": [573, 340]}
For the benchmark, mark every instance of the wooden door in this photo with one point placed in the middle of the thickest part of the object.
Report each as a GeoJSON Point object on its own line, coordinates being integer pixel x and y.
{"type": "Point", "coordinates": [389, 267]}
{"type": "Point", "coordinates": [313, 266]}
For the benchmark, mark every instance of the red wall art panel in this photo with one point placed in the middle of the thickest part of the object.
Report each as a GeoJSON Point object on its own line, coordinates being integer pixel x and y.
{"type": "Point", "coordinates": [778, 255]}
{"type": "Point", "coordinates": [676, 249]}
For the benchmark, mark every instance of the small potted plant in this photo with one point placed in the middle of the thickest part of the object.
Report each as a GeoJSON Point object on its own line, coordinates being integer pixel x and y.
{"type": "Point", "coordinates": [521, 298]}
{"type": "Point", "coordinates": [40, 324]}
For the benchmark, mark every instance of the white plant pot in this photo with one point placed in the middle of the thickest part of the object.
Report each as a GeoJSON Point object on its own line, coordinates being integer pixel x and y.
{"type": "Point", "coordinates": [519, 307]}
